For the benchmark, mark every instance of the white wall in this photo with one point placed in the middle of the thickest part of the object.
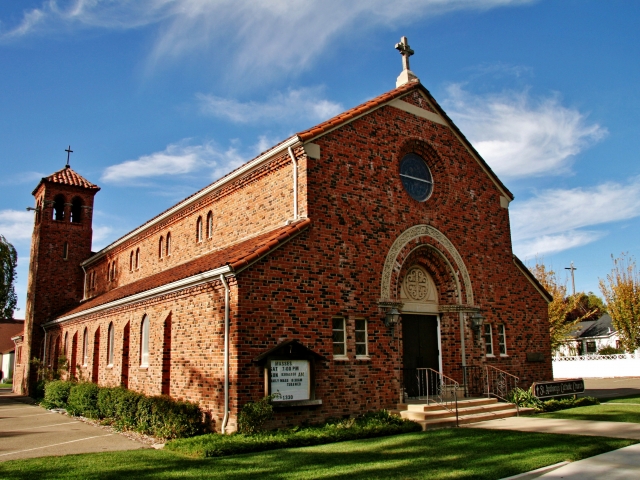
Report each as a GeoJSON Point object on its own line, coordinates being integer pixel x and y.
{"type": "Point", "coordinates": [597, 366]}
{"type": "Point", "coordinates": [6, 366]}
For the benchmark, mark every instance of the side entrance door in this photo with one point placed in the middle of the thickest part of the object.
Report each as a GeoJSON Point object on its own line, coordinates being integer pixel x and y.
{"type": "Point", "coordinates": [420, 350]}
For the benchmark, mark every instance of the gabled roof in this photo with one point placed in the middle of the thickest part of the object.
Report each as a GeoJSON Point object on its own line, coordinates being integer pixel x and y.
{"type": "Point", "coordinates": [603, 326]}
{"type": "Point", "coordinates": [291, 348]}
{"type": "Point", "coordinates": [9, 328]}
{"type": "Point", "coordinates": [534, 281]}
{"type": "Point", "coordinates": [67, 176]}
{"type": "Point", "coordinates": [237, 257]}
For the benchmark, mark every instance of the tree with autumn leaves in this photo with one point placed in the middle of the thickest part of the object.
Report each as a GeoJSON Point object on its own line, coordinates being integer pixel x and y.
{"type": "Point", "coordinates": [621, 290]}
{"type": "Point", "coordinates": [565, 311]}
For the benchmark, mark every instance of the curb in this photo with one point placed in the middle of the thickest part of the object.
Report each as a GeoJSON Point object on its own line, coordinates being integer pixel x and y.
{"type": "Point", "coordinates": [537, 472]}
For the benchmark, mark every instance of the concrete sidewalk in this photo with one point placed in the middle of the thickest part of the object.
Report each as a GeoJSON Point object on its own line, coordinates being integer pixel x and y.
{"type": "Point", "coordinates": [28, 431]}
{"type": "Point", "coordinates": [618, 464]}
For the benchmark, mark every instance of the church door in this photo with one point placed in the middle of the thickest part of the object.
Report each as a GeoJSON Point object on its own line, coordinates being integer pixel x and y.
{"type": "Point", "coordinates": [420, 351]}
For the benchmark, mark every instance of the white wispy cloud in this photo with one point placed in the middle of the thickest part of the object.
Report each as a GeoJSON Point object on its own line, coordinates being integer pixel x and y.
{"type": "Point", "coordinates": [269, 36]}
{"type": "Point", "coordinates": [294, 105]}
{"type": "Point", "coordinates": [21, 177]}
{"type": "Point", "coordinates": [16, 225]}
{"type": "Point", "coordinates": [556, 220]}
{"type": "Point", "coordinates": [520, 136]}
{"type": "Point", "coordinates": [102, 236]}
{"type": "Point", "coordinates": [182, 158]}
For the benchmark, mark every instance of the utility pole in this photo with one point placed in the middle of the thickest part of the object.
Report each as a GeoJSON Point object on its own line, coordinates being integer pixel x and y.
{"type": "Point", "coordinates": [573, 280]}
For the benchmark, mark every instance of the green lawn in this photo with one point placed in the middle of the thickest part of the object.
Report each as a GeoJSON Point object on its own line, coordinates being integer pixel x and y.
{"type": "Point", "coordinates": [6, 385]}
{"type": "Point", "coordinates": [607, 412]}
{"type": "Point", "coordinates": [628, 399]}
{"type": "Point", "coordinates": [443, 454]}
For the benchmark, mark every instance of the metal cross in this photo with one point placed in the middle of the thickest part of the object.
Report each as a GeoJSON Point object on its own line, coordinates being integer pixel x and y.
{"type": "Point", "coordinates": [405, 51]}
{"type": "Point", "coordinates": [69, 152]}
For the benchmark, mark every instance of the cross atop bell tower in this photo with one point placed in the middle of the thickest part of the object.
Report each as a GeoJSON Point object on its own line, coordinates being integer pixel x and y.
{"type": "Point", "coordinates": [406, 75]}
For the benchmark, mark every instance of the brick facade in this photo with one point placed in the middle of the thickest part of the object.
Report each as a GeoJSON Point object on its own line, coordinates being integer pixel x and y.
{"type": "Point", "coordinates": [363, 234]}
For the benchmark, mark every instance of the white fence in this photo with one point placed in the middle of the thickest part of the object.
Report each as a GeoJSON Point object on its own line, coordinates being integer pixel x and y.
{"type": "Point", "coordinates": [597, 366]}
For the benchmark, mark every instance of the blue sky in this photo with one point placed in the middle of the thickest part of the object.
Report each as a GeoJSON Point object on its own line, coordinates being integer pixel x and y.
{"type": "Point", "coordinates": [158, 98]}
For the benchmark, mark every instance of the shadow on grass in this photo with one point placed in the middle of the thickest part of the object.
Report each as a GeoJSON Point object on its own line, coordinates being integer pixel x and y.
{"type": "Point", "coordinates": [453, 453]}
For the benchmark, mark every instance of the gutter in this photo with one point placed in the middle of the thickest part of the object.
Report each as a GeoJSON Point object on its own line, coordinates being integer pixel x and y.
{"type": "Point", "coordinates": [293, 141]}
{"type": "Point", "coordinates": [226, 353]}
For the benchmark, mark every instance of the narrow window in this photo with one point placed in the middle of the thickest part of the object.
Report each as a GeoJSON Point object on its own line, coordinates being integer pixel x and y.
{"type": "Point", "coordinates": [362, 346]}
{"type": "Point", "coordinates": [93, 280]}
{"type": "Point", "coordinates": [209, 225]}
{"type": "Point", "coordinates": [110, 345]}
{"type": "Point", "coordinates": [18, 355]}
{"type": "Point", "coordinates": [76, 210]}
{"type": "Point", "coordinates": [502, 339]}
{"type": "Point", "coordinates": [161, 247]}
{"type": "Point", "coordinates": [66, 344]}
{"type": "Point", "coordinates": [85, 348]}
{"type": "Point", "coordinates": [38, 211]}
{"type": "Point", "coordinates": [144, 342]}
{"type": "Point", "coordinates": [131, 261]}
{"type": "Point", "coordinates": [199, 229]}
{"type": "Point", "coordinates": [58, 207]}
{"type": "Point", "coordinates": [168, 244]}
{"type": "Point", "coordinates": [109, 272]}
{"type": "Point", "coordinates": [137, 258]}
{"type": "Point", "coordinates": [339, 338]}
{"type": "Point", "coordinates": [65, 251]}
{"type": "Point", "coordinates": [591, 346]}
{"type": "Point", "coordinates": [488, 339]}
{"type": "Point", "coordinates": [113, 271]}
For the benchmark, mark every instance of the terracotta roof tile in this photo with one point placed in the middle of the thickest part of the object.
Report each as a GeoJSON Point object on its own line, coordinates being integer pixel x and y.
{"type": "Point", "coordinates": [9, 328]}
{"type": "Point", "coordinates": [67, 176]}
{"type": "Point", "coordinates": [236, 256]}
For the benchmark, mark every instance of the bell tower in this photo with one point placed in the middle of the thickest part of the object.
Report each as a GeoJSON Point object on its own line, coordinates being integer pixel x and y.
{"type": "Point", "coordinates": [61, 240]}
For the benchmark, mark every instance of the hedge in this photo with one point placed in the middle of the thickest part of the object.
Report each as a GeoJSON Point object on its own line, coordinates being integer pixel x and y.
{"type": "Point", "coordinates": [159, 416]}
{"type": "Point", "coordinates": [377, 424]}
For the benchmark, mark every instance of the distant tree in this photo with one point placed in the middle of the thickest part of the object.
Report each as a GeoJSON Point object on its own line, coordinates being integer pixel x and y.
{"type": "Point", "coordinates": [621, 290]}
{"type": "Point", "coordinates": [561, 307]}
{"type": "Point", "coordinates": [587, 303]}
{"type": "Point", "coordinates": [8, 263]}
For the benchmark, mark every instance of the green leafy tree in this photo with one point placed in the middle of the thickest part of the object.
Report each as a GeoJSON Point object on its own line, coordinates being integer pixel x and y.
{"type": "Point", "coordinates": [8, 264]}
{"type": "Point", "coordinates": [621, 290]}
{"type": "Point", "coordinates": [586, 303]}
{"type": "Point", "coordinates": [561, 321]}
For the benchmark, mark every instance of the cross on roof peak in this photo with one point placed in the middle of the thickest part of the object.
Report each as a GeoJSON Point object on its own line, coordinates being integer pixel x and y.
{"type": "Point", "coordinates": [69, 152]}
{"type": "Point", "coordinates": [407, 75]}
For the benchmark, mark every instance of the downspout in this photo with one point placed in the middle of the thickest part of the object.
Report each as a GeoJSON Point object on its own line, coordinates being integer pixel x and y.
{"type": "Point", "coordinates": [226, 353]}
{"type": "Point", "coordinates": [84, 284]}
{"type": "Point", "coordinates": [295, 184]}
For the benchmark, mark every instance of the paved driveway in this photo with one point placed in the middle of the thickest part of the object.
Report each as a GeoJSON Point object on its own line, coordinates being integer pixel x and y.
{"type": "Point", "coordinates": [611, 387]}
{"type": "Point", "coordinates": [28, 431]}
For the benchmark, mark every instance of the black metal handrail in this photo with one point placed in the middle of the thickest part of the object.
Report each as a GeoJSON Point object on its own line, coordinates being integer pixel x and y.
{"type": "Point", "coordinates": [430, 385]}
{"type": "Point", "coordinates": [489, 381]}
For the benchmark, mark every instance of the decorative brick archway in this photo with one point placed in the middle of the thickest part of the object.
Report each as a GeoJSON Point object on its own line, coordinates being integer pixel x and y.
{"type": "Point", "coordinates": [441, 245]}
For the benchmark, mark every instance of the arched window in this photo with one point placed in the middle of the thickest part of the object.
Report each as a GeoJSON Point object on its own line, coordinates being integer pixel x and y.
{"type": "Point", "coordinates": [93, 280]}
{"type": "Point", "coordinates": [109, 272]}
{"type": "Point", "coordinates": [76, 210]}
{"type": "Point", "coordinates": [38, 211]}
{"type": "Point", "coordinates": [144, 342]}
{"type": "Point", "coordinates": [85, 347]}
{"type": "Point", "coordinates": [199, 229]}
{"type": "Point", "coordinates": [66, 343]}
{"type": "Point", "coordinates": [168, 244]}
{"type": "Point", "coordinates": [131, 261]}
{"type": "Point", "coordinates": [58, 207]}
{"type": "Point", "coordinates": [110, 345]}
{"type": "Point", "coordinates": [65, 250]}
{"type": "Point", "coordinates": [209, 225]}
{"type": "Point", "coordinates": [113, 270]}
{"type": "Point", "coordinates": [161, 247]}
{"type": "Point", "coordinates": [137, 258]}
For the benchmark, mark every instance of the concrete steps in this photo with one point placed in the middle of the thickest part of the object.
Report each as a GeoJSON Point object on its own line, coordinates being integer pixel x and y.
{"type": "Point", "coordinates": [469, 411]}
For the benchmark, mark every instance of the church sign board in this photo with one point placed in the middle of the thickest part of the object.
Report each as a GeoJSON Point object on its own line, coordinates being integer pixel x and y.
{"type": "Point", "coordinates": [558, 389]}
{"type": "Point", "coordinates": [290, 379]}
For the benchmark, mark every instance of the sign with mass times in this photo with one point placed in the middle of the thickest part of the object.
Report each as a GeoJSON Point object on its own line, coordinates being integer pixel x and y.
{"type": "Point", "coordinates": [290, 379]}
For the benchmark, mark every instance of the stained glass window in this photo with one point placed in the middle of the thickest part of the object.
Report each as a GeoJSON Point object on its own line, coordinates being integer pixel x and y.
{"type": "Point", "coordinates": [416, 177]}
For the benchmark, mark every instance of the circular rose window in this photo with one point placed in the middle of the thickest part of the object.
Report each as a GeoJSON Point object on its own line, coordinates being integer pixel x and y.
{"type": "Point", "coordinates": [416, 177]}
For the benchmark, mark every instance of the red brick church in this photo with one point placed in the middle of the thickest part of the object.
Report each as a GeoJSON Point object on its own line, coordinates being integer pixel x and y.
{"type": "Point", "coordinates": [323, 270]}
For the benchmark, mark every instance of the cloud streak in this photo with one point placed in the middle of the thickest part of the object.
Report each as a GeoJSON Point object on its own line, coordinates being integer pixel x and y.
{"type": "Point", "coordinates": [16, 225]}
{"type": "Point", "coordinates": [557, 220]}
{"type": "Point", "coordinates": [292, 106]}
{"type": "Point", "coordinates": [519, 136]}
{"type": "Point", "coordinates": [271, 36]}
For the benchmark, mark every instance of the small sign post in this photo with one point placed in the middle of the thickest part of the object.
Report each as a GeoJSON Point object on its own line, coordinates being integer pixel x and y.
{"type": "Point", "coordinates": [558, 389]}
{"type": "Point", "coordinates": [290, 379]}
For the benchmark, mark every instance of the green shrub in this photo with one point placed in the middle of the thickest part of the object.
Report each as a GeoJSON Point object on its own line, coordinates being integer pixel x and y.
{"type": "Point", "coordinates": [254, 415]}
{"type": "Point", "coordinates": [165, 418]}
{"type": "Point", "coordinates": [56, 394]}
{"type": "Point", "coordinates": [376, 424]}
{"type": "Point", "coordinates": [524, 398]}
{"type": "Point", "coordinates": [83, 400]}
{"type": "Point", "coordinates": [610, 351]}
{"type": "Point", "coordinates": [126, 407]}
{"type": "Point", "coordinates": [554, 405]}
{"type": "Point", "coordinates": [106, 404]}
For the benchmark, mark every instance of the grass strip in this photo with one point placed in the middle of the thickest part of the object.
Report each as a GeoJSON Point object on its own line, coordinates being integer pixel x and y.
{"type": "Point", "coordinates": [634, 399]}
{"type": "Point", "coordinates": [441, 454]}
{"type": "Point", "coordinates": [603, 412]}
{"type": "Point", "coordinates": [216, 445]}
